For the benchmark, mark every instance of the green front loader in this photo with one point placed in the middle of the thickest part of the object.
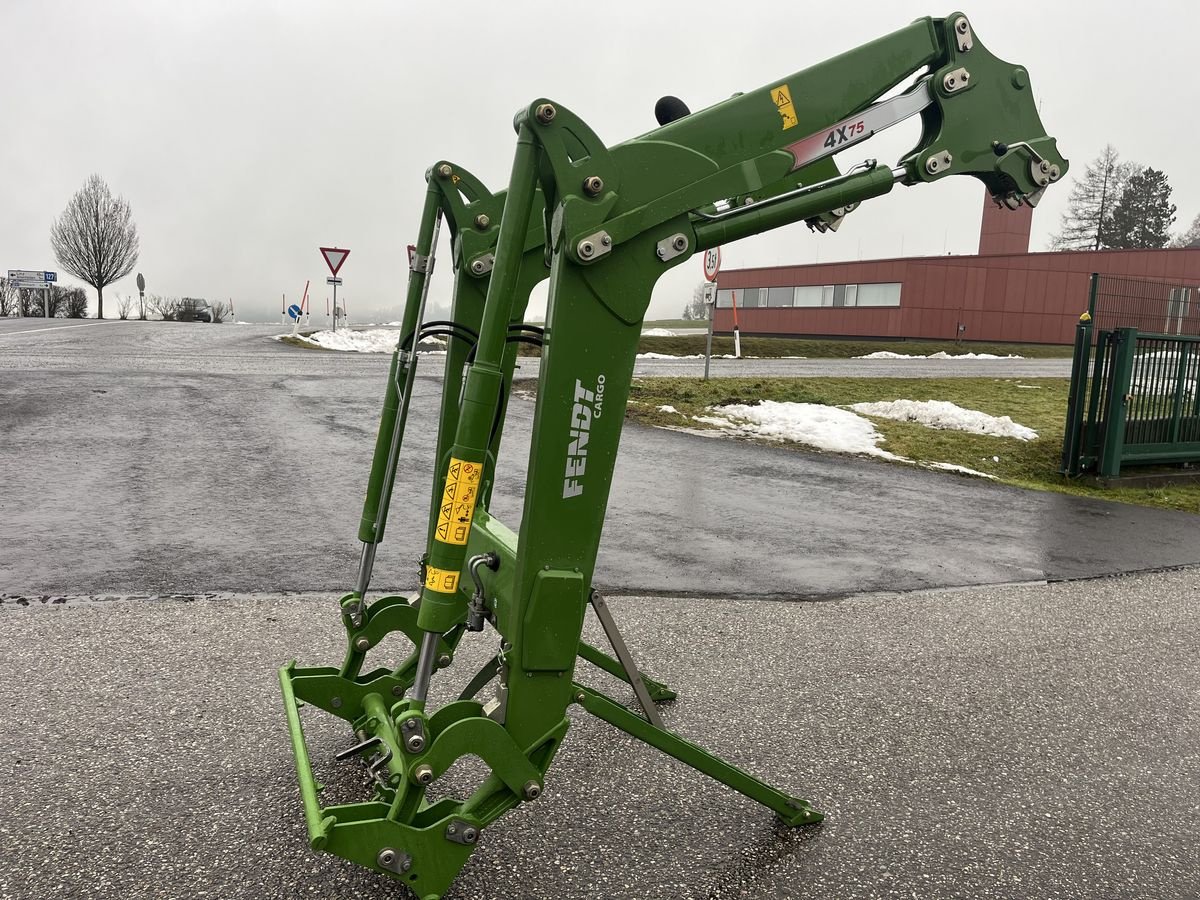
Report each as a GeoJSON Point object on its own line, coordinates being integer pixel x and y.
{"type": "Point", "coordinates": [603, 224]}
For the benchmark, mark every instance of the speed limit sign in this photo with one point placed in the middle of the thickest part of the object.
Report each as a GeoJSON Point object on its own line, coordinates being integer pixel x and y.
{"type": "Point", "coordinates": [712, 263]}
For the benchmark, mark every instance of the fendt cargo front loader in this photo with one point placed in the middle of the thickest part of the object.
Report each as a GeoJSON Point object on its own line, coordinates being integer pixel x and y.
{"type": "Point", "coordinates": [603, 223]}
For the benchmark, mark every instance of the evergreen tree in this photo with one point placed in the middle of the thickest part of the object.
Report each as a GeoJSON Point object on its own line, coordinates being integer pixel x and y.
{"type": "Point", "coordinates": [1092, 201]}
{"type": "Point", "coordinates": [1144, 214]}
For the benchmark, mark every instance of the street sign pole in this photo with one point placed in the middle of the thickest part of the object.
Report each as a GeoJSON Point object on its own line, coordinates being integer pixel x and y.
{"type": "Point", "coordinates": [710, 302]}
{"type": "Point", "coordinates": [712, 266]}
{"type": "Point", "coordinates": [46, 302]}
{"type": "Point", "coordinates": [334, 257]}
{"type": "Point", "coordinates": [141, 283]}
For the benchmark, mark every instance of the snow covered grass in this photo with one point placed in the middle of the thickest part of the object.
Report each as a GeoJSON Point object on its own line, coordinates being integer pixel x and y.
{"type": "Point", "coordinates": [1028, 464]}
{"type": "Point", "coordinates": [773, 348]}
{"type": "Point", "coordinates": [375, 340]}
{"type": "Point", "coordinates": [812, 424]}
{"type": "Point", "coordinates": [823, 413]}
{"type": "Point", "coordinates": [944, 414]}
{"type": "Point", "coordinates": [940, 354]}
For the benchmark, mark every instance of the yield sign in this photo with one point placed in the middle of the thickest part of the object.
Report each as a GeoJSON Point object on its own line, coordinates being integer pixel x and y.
{"type": "Point", "coordinates": [334, 258]}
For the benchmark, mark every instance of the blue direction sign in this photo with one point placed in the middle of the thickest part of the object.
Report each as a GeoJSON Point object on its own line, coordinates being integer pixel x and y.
{"type": "Point", "coordinates": [294, 311]}
{"type": "Point", "coordinates": [51, 276]}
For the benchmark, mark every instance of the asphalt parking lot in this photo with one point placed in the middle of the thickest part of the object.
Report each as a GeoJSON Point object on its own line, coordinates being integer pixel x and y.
{"type": "Point", "coordinates": [1036, 741]}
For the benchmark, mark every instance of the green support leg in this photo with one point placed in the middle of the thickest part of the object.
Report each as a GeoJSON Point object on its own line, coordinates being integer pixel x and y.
{"type": "Point", "coordinates": [791, 810]}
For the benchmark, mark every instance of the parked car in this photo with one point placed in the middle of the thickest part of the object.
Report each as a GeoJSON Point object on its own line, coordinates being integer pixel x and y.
{"type": "Point", "coordinates": [193, 310]}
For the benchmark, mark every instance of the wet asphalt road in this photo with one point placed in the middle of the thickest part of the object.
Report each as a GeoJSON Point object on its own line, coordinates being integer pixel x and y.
{"type": "Point", "coordinates": [1038, 741]}
{"type": "Point", "coordinates": [176, 458]}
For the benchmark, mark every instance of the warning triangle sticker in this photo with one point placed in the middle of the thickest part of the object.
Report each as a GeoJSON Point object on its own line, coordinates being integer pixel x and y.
{"type": "Point", "coordinates": [334, 257]}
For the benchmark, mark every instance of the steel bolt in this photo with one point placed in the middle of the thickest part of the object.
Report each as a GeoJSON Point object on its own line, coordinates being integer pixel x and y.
{"type": "Point", "coordinates": [545, 113]}
{"type": "Point", "coordinates": [607, 242]}
{"type": "Point", "coordinates": [386, 857]}
{"type": "Point", "coordinates": [415, 743]}
{"type": "Point", "coordinates": [397, 690]}
{"type": "Point", "coordinates": [424, 775]}
{"type": "Point", "coordinates": [680, 243]}
{"type": "Point", "coordinates": [409, 723]}
{"type": "Point", "coordinates": [593, 185]}
{"type": "Point", "coordinates": [482, 221]}
{"type": "Point", "coordinates": [931, 165]}
{"type": "Point", "coordinates": [444, 170]}
{"type": "Point", "coordinates": [406, 865]}
{"type": "Point", "coordinates": [470, 834]}
{"type": "Point", "coordinates": [961, 26]}
{"type": "Point", "coordinates": [1045, 166]}
{"type": "Point", "coordinates": [533, 790]}
{"type": "Point", "coordinates": [477, 267]}
{"type": "Point", "coordinates": [661, 252]}
{"type": "Point", "coordinates": [966, 76]}
{"type": "Point", "coordinates": [443, 660]}
{"type": "Point", "coordinates": [335, 702]}
{"type": "Point", "coordinates": [579, 697]}
{"type": "Point", "coordinates": [362, 643]}
{"type": "Point", "coordinates": [586, 249]}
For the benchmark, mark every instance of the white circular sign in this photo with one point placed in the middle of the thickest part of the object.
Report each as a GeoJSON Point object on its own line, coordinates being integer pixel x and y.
{"type": "Point", "coordinates": [712, 263]}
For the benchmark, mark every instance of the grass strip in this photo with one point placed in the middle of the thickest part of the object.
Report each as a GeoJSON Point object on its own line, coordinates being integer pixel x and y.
{"type": "Point", "coordinates": [1039, 403]}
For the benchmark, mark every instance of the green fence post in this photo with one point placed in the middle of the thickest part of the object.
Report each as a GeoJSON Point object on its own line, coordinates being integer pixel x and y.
{"type": "Point", "coordinates": [1185, 351]}
{"type": "Point", "coordinates": [1118, 401]}
{"type": "Point", "coordinates": [1073, 432]}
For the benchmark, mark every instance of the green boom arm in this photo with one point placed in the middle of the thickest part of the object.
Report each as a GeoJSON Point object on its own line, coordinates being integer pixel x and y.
{"type": "Point", "coordinates": [607, 222]}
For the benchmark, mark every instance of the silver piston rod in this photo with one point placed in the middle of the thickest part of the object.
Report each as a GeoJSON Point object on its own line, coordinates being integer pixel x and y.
{"type": "Point", "coordinates": [408, 365]}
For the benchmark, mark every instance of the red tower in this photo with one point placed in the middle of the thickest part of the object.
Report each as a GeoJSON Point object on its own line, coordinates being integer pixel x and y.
{"type": "Point", "coordinates": [1004, 230]}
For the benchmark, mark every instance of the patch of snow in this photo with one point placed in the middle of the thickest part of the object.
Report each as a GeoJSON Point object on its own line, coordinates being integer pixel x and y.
{"type": "Point", "coordinates": [824, 427]}
{"type": "Point", "coordinates": [1028, 387]}
{"type": "Point", "coordinates": [668, 356]}
{"type": "Point", "coordinates": [961, 470]}
{"type": "Point", "coordinates": [947, 416]}
{"type": "Point", "coordinates": [941, 354]}
{"type": "Point", "coordinates": [377, 340]}
{"type": "Point", "coordinates": [658, 332]}
{"type": "Point", "coordinates": [669, 409]}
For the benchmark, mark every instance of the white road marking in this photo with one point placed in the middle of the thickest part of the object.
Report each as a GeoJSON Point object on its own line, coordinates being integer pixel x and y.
{"type": "Point", "coordinates": [57, 327]}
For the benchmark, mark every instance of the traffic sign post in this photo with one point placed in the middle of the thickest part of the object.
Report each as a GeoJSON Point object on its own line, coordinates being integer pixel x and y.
{"type": "Point", "coordinates": [710, 300]}
{"type": "Point", "coordinates": [34, 280]}
{"type": "Point", "coordinates": [334, 257]}
{"type": "Point", "coordinates": [141, 283]}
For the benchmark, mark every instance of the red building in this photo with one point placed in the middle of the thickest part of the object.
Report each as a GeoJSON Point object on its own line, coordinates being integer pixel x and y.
{"type": "Point", "coordinates": [1003, 294]}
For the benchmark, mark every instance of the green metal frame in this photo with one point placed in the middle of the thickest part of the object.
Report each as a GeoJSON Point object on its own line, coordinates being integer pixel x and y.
{"type": "Point", "coordinates": [603, 224]}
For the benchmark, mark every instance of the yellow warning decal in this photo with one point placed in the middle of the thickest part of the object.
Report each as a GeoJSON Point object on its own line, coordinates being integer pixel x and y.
{"type": "Point", "coordinates": [441, 580]}
{"type": "Point", "coordinates": [782, 98]}
{"type": "Point", "coordinates": [458, 501]}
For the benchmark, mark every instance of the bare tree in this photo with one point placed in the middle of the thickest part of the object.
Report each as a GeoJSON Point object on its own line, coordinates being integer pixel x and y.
{"type": "Point", "coordinates": [95, 238]}
{"type": "Point", "coordinates": [35, 303]}
{"type": "Point", "coordinates": [74, 303]}
{"type": "Point", "coordinates": [1189, 238]}
{"type": "Point", "coordinates": [219, 310]}
{"type": "Point", "coordinates": [124, 303]}
{"type": "Point", "coordinates": [166, 308]}
{"type": "Point", "coordinates": [8, 298]}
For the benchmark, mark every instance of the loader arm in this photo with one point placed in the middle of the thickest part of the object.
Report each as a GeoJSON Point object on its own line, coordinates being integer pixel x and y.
{"type": "Point", "coordinates": [604, 223]}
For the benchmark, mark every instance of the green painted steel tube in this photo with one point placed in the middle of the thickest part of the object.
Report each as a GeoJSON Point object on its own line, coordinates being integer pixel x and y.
{"type": "Point", "coordinates": [379, 486]}
{"type": "Point", "coordinates": [853, 189]}
{"type": "Point", "coordinates": [318, 826]}
{"type": "Point", "coordinates": [1076, 398]}
{"type": "Point", "coordinates": [793, 811]}
{"type": "Point", "coordinates": [1118, 389]}
{"type": "Point", "coordinates": [441, 602]}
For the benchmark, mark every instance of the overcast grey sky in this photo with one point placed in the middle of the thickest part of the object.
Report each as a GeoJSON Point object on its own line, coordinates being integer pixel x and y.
{"type": "Point", "coordinates": [246, 134]}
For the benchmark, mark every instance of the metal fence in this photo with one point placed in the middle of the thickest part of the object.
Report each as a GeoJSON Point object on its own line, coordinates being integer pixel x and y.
{"type": "Point", "coordinates": [1133, 398]}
